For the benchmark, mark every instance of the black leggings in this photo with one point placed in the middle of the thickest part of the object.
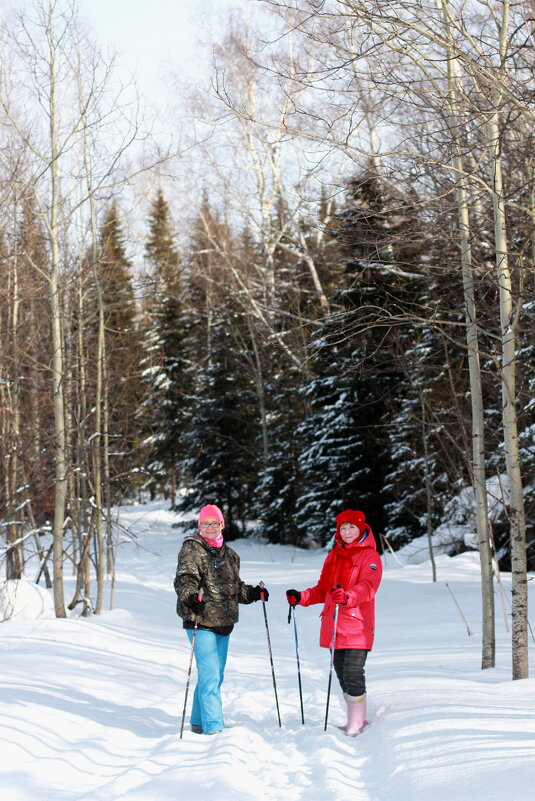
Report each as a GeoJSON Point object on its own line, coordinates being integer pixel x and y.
{"type": "Point", "coordinates": [349, 665]}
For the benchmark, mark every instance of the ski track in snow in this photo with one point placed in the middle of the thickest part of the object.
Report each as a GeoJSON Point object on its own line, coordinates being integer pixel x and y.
{"type": "Point", "coordinates": [90, 709]}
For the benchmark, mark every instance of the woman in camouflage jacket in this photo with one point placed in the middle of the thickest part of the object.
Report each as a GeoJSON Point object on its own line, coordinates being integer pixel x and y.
{"type": "Point", "coordinates": [207, 564]}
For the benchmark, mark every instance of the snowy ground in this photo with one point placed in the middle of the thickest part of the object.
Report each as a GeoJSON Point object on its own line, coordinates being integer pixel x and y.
{"type": "Point", "coordinates": [90, 709]}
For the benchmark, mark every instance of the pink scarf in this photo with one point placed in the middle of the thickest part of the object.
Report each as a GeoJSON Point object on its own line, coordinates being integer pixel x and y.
{"type": "Point", "coordinates": [217, 543]}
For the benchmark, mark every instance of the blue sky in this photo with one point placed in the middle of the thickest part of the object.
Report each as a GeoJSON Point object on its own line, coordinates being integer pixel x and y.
{"type": "Point", "coordinates": [153, 37]}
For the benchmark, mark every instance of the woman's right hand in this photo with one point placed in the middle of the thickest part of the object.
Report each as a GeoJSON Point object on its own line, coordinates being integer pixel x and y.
{"type": "Point", "coordinates": [194, 603]}
{"type": "Point", "coordinates": [293, 596]}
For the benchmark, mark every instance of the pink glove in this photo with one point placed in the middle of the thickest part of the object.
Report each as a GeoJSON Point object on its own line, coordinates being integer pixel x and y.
{"type": "Point", "coordinates": [339, 596]}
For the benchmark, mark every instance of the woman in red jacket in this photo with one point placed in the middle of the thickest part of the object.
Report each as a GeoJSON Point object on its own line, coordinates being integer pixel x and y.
{"type": "Point", "coordinates": [350, 577]}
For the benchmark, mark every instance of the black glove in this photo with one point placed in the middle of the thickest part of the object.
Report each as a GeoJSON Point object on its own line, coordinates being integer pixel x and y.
{"type": "Point", "coordinates": [193, 603]}
{"type": "Point", "coordinates": [294, 596]}
{"type": "Point", "coordinates": [255, 593]}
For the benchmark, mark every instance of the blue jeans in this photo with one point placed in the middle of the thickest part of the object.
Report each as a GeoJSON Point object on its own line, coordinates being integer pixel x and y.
{"type": "Point", "coordinates": [210, 658]}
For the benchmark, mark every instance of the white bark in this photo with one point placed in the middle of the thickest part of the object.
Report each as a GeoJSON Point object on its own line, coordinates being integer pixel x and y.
{"type": "Point", "coordinates": [508, 325]}
{"type": "Point", "coordinates": [476, 394]}
{"type": "Point", "coordinates": [14, 555]}
{"type": "Point", "coordinates": [58, 374]}
{"type": "Point", "coordinates": [509, 315]}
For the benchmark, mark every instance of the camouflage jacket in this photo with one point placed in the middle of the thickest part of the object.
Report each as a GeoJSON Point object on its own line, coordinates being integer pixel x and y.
{"type": "Point", "coordinates": [217, 572]}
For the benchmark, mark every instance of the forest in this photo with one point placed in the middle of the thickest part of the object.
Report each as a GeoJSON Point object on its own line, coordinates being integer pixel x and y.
{"type": "Point", "coordinates": [320, 295]}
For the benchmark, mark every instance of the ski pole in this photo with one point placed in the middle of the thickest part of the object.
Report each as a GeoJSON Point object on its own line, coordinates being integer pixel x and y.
{"type": "Point", "coordinates": [261, 585]}
{"type": "Point", "coordinates": [292, 608]}
{"type": "Point", "coordinates": [199, 598]}
{"type": "Point", "coordinates": [333, 643]}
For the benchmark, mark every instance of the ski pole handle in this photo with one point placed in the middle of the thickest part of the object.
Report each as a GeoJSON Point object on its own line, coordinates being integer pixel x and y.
{"type": "Point", "coordinates": [262, 594]}
{"type": "Point", "coordinates": [199, 598]}
{"type": "Point", "coordinates": [338, 595]}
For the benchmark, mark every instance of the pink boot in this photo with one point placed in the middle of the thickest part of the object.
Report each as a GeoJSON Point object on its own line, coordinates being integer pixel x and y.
{"type": "Point", "coordinates": [356, 714]}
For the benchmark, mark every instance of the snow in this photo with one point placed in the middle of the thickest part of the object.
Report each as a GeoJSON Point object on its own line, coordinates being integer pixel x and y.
{"type": "Point", "coordinates": [90, 708]}
{"type": "Point", "coordinates": [459, 526]}
{"type": "Point", "coordinates": [23, 600]}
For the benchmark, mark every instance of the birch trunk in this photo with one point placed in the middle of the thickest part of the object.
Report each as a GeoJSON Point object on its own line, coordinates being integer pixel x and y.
{"type": "Point", "coordinates": [58, 375]}
{"type": "Point", "coordinates": [14, 554]}
{"type": "Point", "coordinates": [107, 476]}
{"type": "Point", "coordinates": [508, 323]}
{"type": "Point", "coordinates": [455, 123]}
{"type": "Point", "coordinates": [80, 495]}
{"type": "Point", "coordinates": [98, 441]}
{"type": "Point", "coordinates": [97, 451]}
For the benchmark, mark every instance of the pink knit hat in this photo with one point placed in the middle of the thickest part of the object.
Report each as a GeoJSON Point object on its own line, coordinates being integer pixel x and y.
{"type": "Point", "coordinates": [211, 510]}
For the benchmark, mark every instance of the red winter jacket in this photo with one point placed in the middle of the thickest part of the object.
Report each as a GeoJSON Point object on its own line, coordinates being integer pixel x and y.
{"type": "Point", "coordinates": [356, 619]}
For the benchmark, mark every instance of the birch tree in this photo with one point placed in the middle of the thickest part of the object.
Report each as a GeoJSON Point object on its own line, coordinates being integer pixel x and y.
{"type": "Point", "coordinates": [407, 40]}
{"type": "Point", "coordinates": [37, 45]}
{"type": "Point", "coordinates": [72, 125]}
{"type": "Point", "coordinates": [455, 124]}
{"type": "Point", "coordinates": [510, 308]}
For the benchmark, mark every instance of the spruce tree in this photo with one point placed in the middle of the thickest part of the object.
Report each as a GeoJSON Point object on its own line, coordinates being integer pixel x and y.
{"type": "Point", "coordinates": [354, 393]}
{"type": "Point", "coordinates": [165, 366]}
{"type": "Point", "coordinates": [160, 249]}
{"type": "Point", "coordinates": [280, 483]}
{"type": "Point", "coordinates": [430, 438]}
{"type": "Point", "coordinates": [222, 440]}
{"type": "Point", "coordinates": [331, 463]}
{"type": "Point", "coordinates": [116, 282]}
{"type": "Point", "coordinates": [122, 348]}
{"type": "Point", "coordinates": [427, 440]}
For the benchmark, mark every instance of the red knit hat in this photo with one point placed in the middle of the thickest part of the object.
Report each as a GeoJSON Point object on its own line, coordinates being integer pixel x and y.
{"type": "Point", "coordinates": [211, 510]}
{"type": "Point", "coordinates": [350, 516]}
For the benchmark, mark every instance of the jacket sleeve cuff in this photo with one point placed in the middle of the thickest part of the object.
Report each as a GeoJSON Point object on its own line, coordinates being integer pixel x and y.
{"type": "Point", "coordinates": [311, 596]}
{"type": "Point", "coordinates": [351, 598]}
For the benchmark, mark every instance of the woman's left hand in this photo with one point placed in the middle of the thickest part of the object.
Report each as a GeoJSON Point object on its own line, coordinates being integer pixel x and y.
{"type": "Point", "coordinates": [339, 596]}
{"type": "Point", "coordinates": [258, 593]}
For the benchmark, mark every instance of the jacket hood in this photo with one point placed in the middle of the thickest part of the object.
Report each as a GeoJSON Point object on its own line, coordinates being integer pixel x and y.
{"type": "Point", "coordinates": [366, 539]}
